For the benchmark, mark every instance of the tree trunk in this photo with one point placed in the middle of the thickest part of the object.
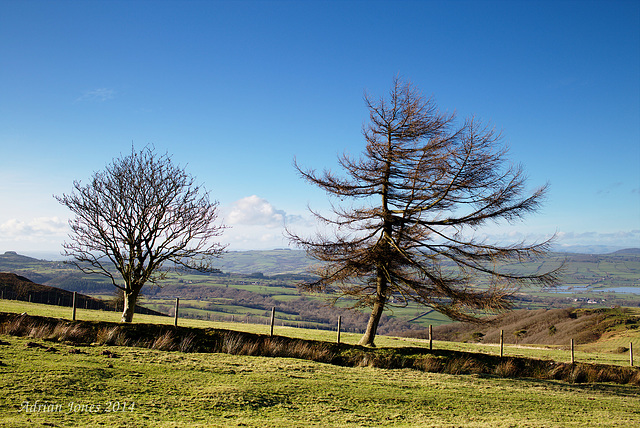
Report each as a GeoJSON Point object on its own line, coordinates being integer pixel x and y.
{"type": "Point", "coordinates": [376, 313]}
{"type": "Point", "coordinates": [130, 297]}
{"type": "Point", "coordinates": [381, 280]}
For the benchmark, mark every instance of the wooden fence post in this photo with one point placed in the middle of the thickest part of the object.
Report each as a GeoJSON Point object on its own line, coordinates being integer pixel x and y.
{"type": "Point", "coordinates": [573, 359]}
{"type": "Point", "coordinates": [631, 353]}
{"type": "Point", "coordinates": [273, 318]}
{"type": "Point", "coordinates": [430, 337]}
{"type": "Point", "coordinates": [339, 326]}
{"type": "Point", "coordinates": [501, 343]}
{"type": "Point", "coordinates": [175, 320]}
{"type": "Point", "coordinates": [74, 306]}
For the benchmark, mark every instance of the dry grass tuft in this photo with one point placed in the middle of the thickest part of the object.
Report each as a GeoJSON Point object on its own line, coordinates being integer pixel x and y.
{"type": "Point", "coordinates": [507, 369]}
{"type": "Point", "coordinates": [241, 343]}
{"type": "Point", "coordinates": [430, 364]}
{"type": "Point", "coordinates": [68, 332]}
{"type": "Point", "coordinates": [578, 375]}
{"type": "Point", "coordinates": [464, 365]}
{"type": "Point", "coordinates": [166, 342]}
{"type": "Point", "coordinates": [231, 343]}
{"type": "Point", "coordinates": [39, 331]}
{"type": "Point", "coordinates": [187, 343]}
{"type": "Point", "coordinates": [312, 351]}
{"type": "Point", "coordinates": [60, 331]}
{"type": "Point", "coordinates": [111, 336]}
{"type": "Point", "coordinates": [18, 326]}
{"type": "Point", "coordinates": [273, 347]}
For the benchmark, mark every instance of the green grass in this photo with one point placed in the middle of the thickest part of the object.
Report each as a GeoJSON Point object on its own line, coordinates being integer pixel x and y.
{"type": "Point", "coordinates": [603, 353]}
{"type": "Point", "coordinates": [172, 389]}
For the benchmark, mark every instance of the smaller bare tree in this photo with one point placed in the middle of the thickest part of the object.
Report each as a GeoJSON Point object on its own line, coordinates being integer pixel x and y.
{"type": "Point", "coordinates": [141, 212]}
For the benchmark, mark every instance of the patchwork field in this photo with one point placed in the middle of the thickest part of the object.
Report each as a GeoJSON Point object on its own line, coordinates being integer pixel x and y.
{"type": "Point", "coordinates": [253, 282]}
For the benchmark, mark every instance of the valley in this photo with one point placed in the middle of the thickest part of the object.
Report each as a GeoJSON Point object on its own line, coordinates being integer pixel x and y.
{"type": "Point", "coordinates": [249, 284]}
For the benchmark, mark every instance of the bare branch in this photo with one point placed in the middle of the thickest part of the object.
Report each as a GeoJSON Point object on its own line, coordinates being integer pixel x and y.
{"type": "Point", "coordinates": [434, 182]}
{"type": "Point", "coordinates": [137, 215]}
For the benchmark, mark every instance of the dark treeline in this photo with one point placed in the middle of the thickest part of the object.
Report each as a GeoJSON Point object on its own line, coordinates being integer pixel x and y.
{"type": "Point", "coordinates": [16, 287]}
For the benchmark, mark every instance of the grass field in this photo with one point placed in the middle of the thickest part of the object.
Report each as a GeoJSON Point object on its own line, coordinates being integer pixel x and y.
{"type": "Point", "coordinates": [72, 385]}
{"type": "Point", "coordinates": [603, 352]}
{"type": "Point", "coordinates": [142, 387]}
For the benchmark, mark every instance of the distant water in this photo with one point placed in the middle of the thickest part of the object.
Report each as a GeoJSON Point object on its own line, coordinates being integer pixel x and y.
{"type": "Point", "coordinates": [567, 289]}
{"type": "Point", "coordinates": [570, 289]}
{"type": "Point", "coordinates": [635, 290]}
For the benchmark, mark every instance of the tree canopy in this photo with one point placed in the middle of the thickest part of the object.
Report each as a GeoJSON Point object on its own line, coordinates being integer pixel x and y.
{"type": "Point", "coordinates": [424, 184]}
{"type": "Point", "coordinates": [141, 212]}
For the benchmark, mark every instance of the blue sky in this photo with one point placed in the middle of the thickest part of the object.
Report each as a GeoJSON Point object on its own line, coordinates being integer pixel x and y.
{"type": "Point", "coordinates": [234, 90]}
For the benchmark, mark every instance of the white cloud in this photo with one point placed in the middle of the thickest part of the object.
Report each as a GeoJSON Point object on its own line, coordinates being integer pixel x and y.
{"type": "Point", "coordinates": [564, 239]}
{"type": "Point", "coordinates": [244, 237]}
{"type": "Point", "coordinates": [622, 238]}
{"type": "Point", "coordinates": [42, 234]}
{"type": "Point", "coordinates": [255, 211]}
{"type": "Point", "coordinates": [257, 224]}
{"type": "Point", "coordinates": [99, 94]}
{"type": "Point", "coordinates": [37, 227]}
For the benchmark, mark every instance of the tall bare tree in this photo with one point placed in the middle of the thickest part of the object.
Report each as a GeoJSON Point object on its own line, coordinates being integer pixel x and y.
{"type": "Point", "coordinates": [141, 212]}
{"type": "Point", "coordinates": [424, 184]}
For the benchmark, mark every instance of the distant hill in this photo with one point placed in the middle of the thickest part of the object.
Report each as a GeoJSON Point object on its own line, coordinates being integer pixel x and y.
{"type": "Point", "coordinates": [628, 251]}
{"type": "Point", "coordinates": [272, 262]}
{"type": "Point", "coordinates": [10, 261]}
{"type": "Point", "coordinates": [582, 272]}
{"type": "Point", "coordinates": [16, 287]}
{"type": "Point", "coordinates": [253, 281]}
{"type": "Point", "coordinates": [589, 249]}
{"type": "Point", "coordinates": [541, 327]}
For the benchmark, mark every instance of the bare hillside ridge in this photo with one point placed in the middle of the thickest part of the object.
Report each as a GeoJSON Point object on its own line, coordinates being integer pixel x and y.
{"type": "Point", "coordinates": [17, 287]}
{"type": "Point", "coordinates": [543, 327]}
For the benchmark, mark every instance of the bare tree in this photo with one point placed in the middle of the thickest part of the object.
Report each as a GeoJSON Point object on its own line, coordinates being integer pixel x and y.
{"type": "Point", "coordinates": [139, 213]}
{"type": "Point", "coordinates": [424, 185]}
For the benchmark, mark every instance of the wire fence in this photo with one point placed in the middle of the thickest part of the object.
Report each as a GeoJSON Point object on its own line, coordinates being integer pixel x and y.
{"type": "Point", "coordinates": [75, 300]}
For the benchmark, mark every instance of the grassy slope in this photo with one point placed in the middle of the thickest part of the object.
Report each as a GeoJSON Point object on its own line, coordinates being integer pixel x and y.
{"type": "Point", "coordinates": [603, 328]}
{"type": "Point", "coordinates": [218, 390]}
{"type": "Point", "coordinates": [592, 352]}
{"type": "Point", "coordinates": [176, 389]}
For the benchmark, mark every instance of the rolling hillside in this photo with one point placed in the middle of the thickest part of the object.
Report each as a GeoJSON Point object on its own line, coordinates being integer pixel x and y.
{"type": "Point", "coordinates": [15, 287]}
{"type": "Point", "coordinates": [548, 327]}
{"type": "Point", "coordinates": [253, 282]}
{"type": "Point", "coordinates": [273, 262]}
{"type": "Point", "coordinates": [621, 268]}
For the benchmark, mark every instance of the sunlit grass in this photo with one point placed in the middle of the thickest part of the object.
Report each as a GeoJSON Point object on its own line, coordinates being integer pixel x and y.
{"type": "Point", "coordinates": [172, 389]}
{"type": "Point", "coordinates": [605, 352]}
